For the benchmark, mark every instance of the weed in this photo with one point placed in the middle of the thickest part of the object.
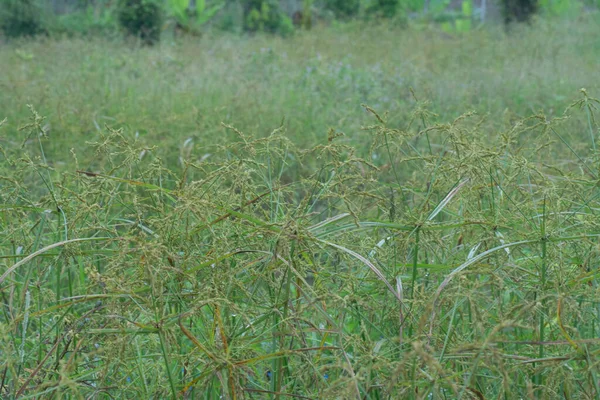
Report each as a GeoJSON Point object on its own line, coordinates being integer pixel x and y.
{"type": "Point", "coordinates": [430, 253]}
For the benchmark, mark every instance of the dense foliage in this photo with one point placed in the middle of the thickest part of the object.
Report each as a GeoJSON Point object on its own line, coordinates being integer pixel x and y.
{"type": "Point", "coordinates": [265, 16]}
{"type": "Point", "coordinates": [20, 18]}
{"type": "Point", "coordinates": [149, 19]}
{"type": "Point", "coordinates": [141, 18]}
{"type": "Point", "coordinates": [386, 8]}
{"type": "Point", "coordinates": [519, 10]}
{"type": "Point", "coordinates": [344, 8]}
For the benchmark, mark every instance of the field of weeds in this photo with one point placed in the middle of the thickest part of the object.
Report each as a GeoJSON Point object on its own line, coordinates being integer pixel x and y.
{"type": "Point", "coordinates": [351, 213]}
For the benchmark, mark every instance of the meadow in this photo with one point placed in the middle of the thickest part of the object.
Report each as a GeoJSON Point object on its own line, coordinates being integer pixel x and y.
{"type": "Point", "coordinates": [355, 212]}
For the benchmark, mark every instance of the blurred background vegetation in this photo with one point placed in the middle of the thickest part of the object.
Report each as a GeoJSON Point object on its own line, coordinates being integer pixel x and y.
{"type": "Point", "coordinates": [150, 20]}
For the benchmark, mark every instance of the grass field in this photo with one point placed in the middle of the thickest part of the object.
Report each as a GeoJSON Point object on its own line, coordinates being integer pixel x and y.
{"type": "Point", "coordinates": [355, 212]}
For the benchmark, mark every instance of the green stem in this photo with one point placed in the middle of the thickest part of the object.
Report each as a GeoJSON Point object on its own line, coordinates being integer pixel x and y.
{"type": "Point", "coordinates": [167, 365]}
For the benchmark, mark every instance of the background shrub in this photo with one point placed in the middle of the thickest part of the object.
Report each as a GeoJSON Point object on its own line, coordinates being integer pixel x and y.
{"type": "Point", "coordinates": [560, 7]}
{"type": "Point", "coordinates": [343, 8]}
{"type": "Point", "coordinates": [266, 16]}
{"type": "Point", "coordinates": [386, 8]}
{"type": "Point", "coordinates": [20, 18]}
{"type": "Point", "coordinates": [87, 21]}
{"type": "Point", "coordinates": [519, 10]}
{"type": "Point", "coordinates": [231, 18]}
{"type": "Point", "coordinates": [141, 18]}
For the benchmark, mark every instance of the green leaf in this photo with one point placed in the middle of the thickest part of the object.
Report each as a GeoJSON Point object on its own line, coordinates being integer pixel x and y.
{"type": "Point", "coordinates": [447, 27]}
{"type": "Point", "coordinates": [206, 16]}
{"type": "Point", "coordinates": [178, 9]}
{"type": "Point", "coordinates": [463, 25]}
{"type": "Point", "coordinates": [179, 6]}
{"type": "Point", "coordinates": [467, 8]}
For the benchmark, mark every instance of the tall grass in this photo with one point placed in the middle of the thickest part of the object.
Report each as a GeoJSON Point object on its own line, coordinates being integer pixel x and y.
{"type": "Point", "coordinates": [160, 239]}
